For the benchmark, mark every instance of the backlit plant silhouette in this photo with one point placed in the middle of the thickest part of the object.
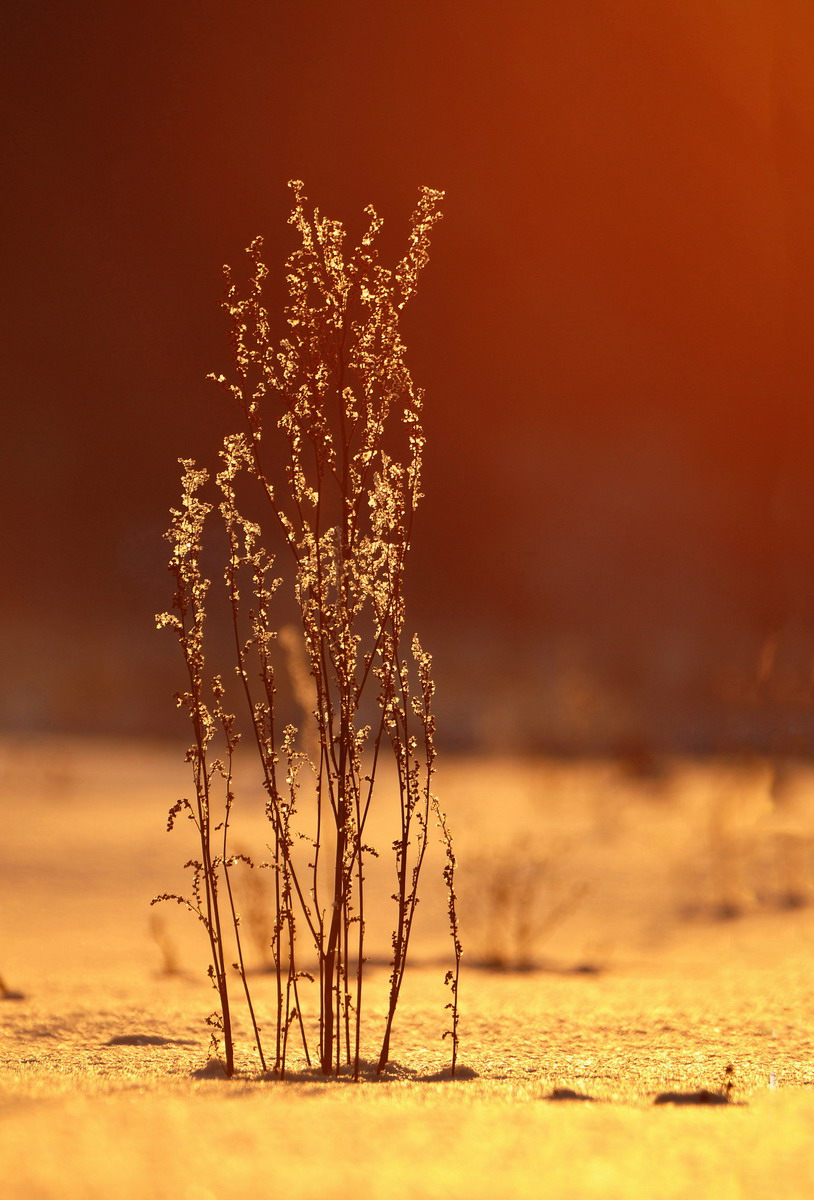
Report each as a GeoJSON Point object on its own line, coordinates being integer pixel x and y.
{"type": "Point", "coordinates": [328, 463]}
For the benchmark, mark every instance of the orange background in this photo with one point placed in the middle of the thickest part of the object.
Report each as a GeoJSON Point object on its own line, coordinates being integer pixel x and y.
{"type": "Point", "coordinates": [614, 333]}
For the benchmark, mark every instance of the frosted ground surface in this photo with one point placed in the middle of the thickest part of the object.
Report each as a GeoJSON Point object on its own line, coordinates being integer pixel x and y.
{"type": "Point", "coordinates": [101, 1091]}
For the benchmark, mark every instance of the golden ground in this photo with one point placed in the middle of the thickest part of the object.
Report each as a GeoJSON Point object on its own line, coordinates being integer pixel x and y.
{"type": "Point", "coordinates": [99, 1091]}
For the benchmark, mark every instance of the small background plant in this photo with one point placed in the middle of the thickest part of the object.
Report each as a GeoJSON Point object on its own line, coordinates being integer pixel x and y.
{"type": "Point", "coordinates": [514, 896]}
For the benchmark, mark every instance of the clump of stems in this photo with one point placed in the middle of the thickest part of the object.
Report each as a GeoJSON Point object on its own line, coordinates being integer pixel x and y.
{"type": "Point", "coordinates": [328, 463]}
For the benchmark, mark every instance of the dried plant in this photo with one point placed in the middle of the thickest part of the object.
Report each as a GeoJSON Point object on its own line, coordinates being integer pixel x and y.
{"type": "Point", "coordinates": [516, 895]}
{"type": "Point", "coordinates": [329, 466]}
{"type": "Point", "coordinates": [7, 993]}
{"type": "Point", "coordinates": [167, 947]}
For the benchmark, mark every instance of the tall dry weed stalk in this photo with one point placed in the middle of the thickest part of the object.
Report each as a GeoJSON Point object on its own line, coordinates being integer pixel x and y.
{"type": "Point", "coordinates": [329, 466]}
